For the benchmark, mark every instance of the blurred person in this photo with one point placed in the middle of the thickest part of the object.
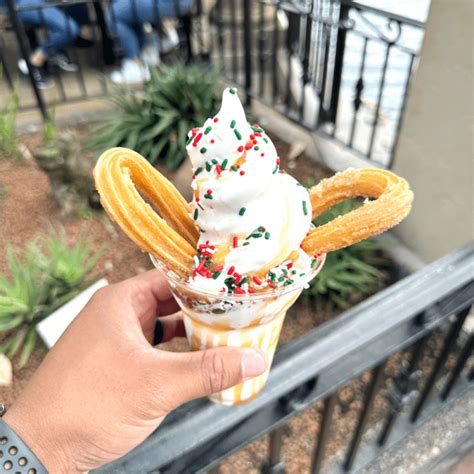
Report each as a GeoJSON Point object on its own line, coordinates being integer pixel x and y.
{"type": "Point", "coordinates": [62, 27]}
{"type": "Point", "coordinates": [127, 19]}
{"type": "Point", "coordinates": [103, 388]}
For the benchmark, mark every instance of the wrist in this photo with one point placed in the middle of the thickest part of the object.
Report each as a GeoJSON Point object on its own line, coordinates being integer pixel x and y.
{"type": "Point", "coordinates": [41, 438]}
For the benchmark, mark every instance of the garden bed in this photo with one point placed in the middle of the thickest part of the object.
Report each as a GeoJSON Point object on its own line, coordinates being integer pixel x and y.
{"type": "Point", "coordinates": [27, 208]}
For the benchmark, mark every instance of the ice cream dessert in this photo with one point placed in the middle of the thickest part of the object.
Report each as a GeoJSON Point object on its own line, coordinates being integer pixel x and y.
{"type": "Point", "coordinates": [251, 215]}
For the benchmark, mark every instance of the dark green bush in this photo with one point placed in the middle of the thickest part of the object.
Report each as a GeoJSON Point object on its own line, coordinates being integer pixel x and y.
{"type": "Point", "coordinates": [155, 123]}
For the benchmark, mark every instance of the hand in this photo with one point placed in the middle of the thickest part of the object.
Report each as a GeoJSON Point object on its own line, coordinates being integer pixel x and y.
{"type": "Point", "coordinates": [104, 388]}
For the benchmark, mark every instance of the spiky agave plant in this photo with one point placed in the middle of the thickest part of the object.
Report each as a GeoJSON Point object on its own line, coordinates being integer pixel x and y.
{"type": "Point", "coordinates": [43, 277]}
{"type": "Point", "coordinates": [352, 272]}
{"type": "Point", "coordinates": [155, 122]}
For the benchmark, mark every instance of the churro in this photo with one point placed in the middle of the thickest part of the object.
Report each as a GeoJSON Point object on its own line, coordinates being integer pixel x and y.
{"type": "Point", "coordinates": [121, 175]}
{"type": "Point", "coordinates": [392, 203]}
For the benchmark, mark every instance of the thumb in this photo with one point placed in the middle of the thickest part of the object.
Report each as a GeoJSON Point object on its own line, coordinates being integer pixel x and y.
{"type": "Point", "coordinates": [201, 373]}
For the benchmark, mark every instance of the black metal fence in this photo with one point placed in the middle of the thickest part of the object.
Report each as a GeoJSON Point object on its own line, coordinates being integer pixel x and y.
{"type": "Point", "coordinates": [91, 79]}
{"type": "Point", "coordinates": [337, 67]}
{"type": "Point", "coordinates": [428, 306]}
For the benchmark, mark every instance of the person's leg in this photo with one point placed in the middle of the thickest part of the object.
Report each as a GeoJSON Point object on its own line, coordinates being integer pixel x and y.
{"type": "Point", "coordinates": [61, 29]}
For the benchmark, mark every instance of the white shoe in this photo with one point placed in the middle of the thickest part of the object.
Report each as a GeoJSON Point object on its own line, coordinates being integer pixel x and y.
{"type": "Point", "coordinates": [151, 55]}
{"type": "Point", "coordinates": [169, 41]}
{"type": "Point", "coordinates": [131, 72]}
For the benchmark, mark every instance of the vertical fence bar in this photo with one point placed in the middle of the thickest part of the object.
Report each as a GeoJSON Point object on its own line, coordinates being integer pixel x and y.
{"type": "Point", "coordinates": [416, 355]}
{"type": "Point", "coordinates": [289, 49]}
{"type": "Point", "coordinates": [233, 36]}
{"type": "Point", "coordinates": [99, 56]}
{"type": "Point", "coordinates": [377, 376]}
{"type": "Point", "coordinates": [359, 90]}
{"type": "Point", "coordinates": [247, 12]}
{"type": "Point", "coordinates": [274, 56]}
{"type": "Point", "coordinates": [261, 49]}
{"type": "Point", "coordinates": [305, 61]}
{"type": "Point", "coordinates": [448, 343]}
{"type": "Point", "coordinates": [275, 465]}
{"type": "Point", "coordinates": [4, 69]}
{"type": "Point", "coordinates": [402, 110]}
{"type": "Point", "coordinates": [25, 52]}
{"type": "Point", "coordinates": [379, 101]}
{"type": "Point", "coordinates": [465, 354]}
{"type": "Point", "coordinates": [323, 436]}
{"type": "Point", "coordinates": [338, 63]}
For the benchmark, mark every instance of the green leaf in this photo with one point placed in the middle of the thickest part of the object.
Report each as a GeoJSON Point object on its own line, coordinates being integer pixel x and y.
{"type": "Point", "coordinates": [28, 347]}
{"type": "Point", "coordinates": [9, 324]}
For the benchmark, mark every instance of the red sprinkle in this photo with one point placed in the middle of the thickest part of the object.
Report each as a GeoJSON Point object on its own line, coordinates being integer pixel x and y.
{"type": "Point", "coordinates": [240, 149]}
{"type": "Point", "coordinates": [209, 191]}
{"type": "Point", "coordinates": [238, 278]}
{"type": "Point", "coordinates": [216, 119]}
{"type": "Point", "coordinates": [231, 270]}
{"type": "Point", "coordinates": [201, 265]}
{"type": "Point", "coordinates": [212, 140]}
{"type": "Point", "coordinates": [272, 285]}
{"type": "Point", "coordinates": [197, 199]}
{"type": "Point", "coordinates": [242, 173]}
{"type": "Point", "coordinates": [222, 290]}
{"type": "Point", "coordinates": [196, 140]}
{"type": "Point", "coordinates": [219, 268]}
{"type": "Point", "coordinates": [257, 134]}
{"type": "Point", "coordinates": [262, 154]}
{"type": "Point", "coordinates": [219, 169]}
{"type": "Point", "coordinates": [257, 280]}
{"type": "Point", "coordinates": [278, 161]}
{"type": "Point", "coordinates": [252, 137]}
{"type": "Point", "coordinates": [290, 265]}
{"type": "Point", "coordinates": [235, 241]}
{"type": "Point", "coordinates": [194, 176]}
{"type": "Point", "coordinates": [254, 142]}
{"type": "Point", "coordinates": [251, 290]}
{"type": "Point", "coordinates": [248, 146]}
{"type": "Point", "coordinates": [239, 291]}
{"type": "Point", "coordinates": [282, 171]}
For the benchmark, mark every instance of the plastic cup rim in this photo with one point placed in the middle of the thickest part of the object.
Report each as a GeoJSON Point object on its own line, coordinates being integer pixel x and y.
{"type": "Point", "coordinates": [277, 292]}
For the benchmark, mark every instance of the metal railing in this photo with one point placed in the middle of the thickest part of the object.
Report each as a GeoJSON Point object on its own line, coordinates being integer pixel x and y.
{"type": "Point", "coordinates": [337, 67]}
{"type": "Point", "coordinates": [90, 81]}
{"type": "Point", "coordinates": [432, 303]}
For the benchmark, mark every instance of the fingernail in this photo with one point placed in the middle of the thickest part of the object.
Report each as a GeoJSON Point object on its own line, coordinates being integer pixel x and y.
{"type": "Point", "coordinates": [158, 334]}
{"type": "Point", "coordinates": [253, 363]}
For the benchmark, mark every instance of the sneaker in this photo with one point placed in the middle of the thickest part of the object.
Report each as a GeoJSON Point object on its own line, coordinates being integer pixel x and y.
{"type": "Point", "coordinates": [42, 79]}
{"type": "Point", "coordinates": [169, 41]}
{"type": "Point", "coordinates": [131, 72]}
{"type": "Point", "coordinates": [151, 55]}
{"type": "Point", "coordinates": [63, 62]}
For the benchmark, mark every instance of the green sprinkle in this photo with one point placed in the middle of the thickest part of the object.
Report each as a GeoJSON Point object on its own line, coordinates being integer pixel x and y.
{"type": "Point", "coordinates": [293, 272]}
{"type": "Point", "coordinates": [238, 134]}
{"type": "Point", "coordinates": [189, 140]}
{"type": "Point", "coordinates": [302, 274]}
{"type": "Point", "coordinates": [208, 129]}
{"type": "Point", "coordinates": [196, 214]}
{"type": "Point", "coordinates": [245, 243]}
{"type": "Point", "coordinates": [224, 163]}
{"type": "Point", "coordinates": [313, 263]}
{"type": "Point", "coordinates": [242, 211]}
{"type": "Point", "coordinates": [275, 170]}
{"type": "Point", "coordinates": [267, 235]}
{"type": "Point", "coordinates": [214, 161]}
{"type": "Point", "coordinates": [232, 91]}
{"type": "Point", "coordinates": [244, 280]}
{"type": "Point", "coordinates": [208, 166]}
{"type": "Point", "coordinates": [208, 196]}
{"type": "Point", "coordinates": [256, 129]}
{"type": "Point", "coordinates": [256, 148]}
{"type": "Point", "coordinates": [305, 209]}
{"type": "Point", "coordinates": [203, 150]}
{"type": "Point", "coordinates": [281, 279]}
{"type": "Point", "coordinates": [265, 140]}
{"type": "Point", "coordinates": [232, 124]}
{"type": "Point", "coordinates": [234, 168]}
{"type": "Point", "coordinates": [199, 170]}
{"type": "Point", "coordinates": [285, 271]}
{"type": "Point", "coordinates": [255, 235]}
{"type": "Point", "coordinates": [260, 229]}
{"type": "Point", "coordinates": [216, 275]}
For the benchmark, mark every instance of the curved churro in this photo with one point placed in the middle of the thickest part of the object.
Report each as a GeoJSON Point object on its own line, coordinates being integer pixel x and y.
{"type": "Point", "coordinates": [392, 204]}
{"type": "Point", "coordinates": [120, 176]}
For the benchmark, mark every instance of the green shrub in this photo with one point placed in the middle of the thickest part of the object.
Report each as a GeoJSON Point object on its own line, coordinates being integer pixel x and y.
{"type": "Point", "coordinates": [8, 144]}
{"type": "Point", "coordinates": [46, 275]}
{"type": "Point", "coordinates": [349, 273]}
{"type": "Point", "coordinates": [156, 122]}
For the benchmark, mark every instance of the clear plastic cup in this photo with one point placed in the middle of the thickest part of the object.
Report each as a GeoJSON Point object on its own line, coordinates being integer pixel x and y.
{"type": "Point", "coordinates": [251, 320]}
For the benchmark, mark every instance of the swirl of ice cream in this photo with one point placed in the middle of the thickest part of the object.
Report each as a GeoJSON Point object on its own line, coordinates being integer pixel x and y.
{"type": "Point", "coordinates": [251, 215]}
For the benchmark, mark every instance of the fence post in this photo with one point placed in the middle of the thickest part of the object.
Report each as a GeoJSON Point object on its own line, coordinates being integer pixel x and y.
{"type": "Point", "coordinates": [25, 51]}
{"type": "Point", "coordinates": [338, 62]}
{"type": "Point", "coordinates": [247, 51]}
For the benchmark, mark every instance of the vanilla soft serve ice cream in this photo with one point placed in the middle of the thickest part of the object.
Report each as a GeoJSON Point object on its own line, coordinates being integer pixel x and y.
{"type": "Point", "coordinates": [252, 216]}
